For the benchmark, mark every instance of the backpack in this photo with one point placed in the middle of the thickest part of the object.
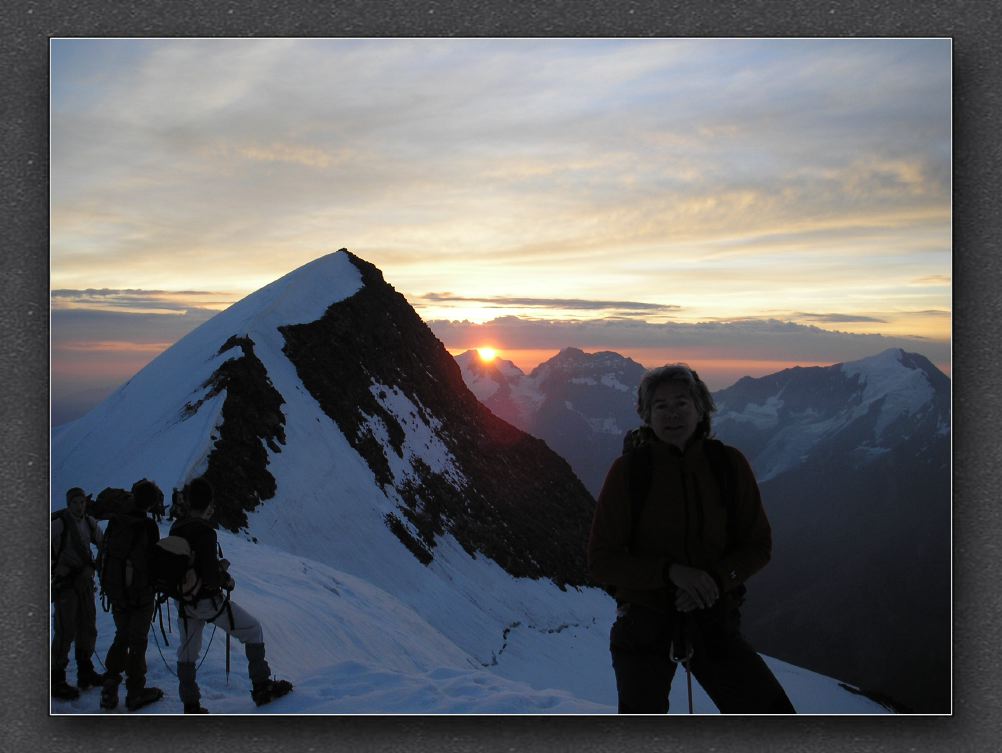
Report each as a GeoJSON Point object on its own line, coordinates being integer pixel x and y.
{"type": "Point", "coordinates": [172, 570]}
{"type": "Point", "coordinates": [124, 559]}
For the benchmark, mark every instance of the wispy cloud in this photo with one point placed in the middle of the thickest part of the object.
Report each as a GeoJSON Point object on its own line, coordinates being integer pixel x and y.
{"type": "Point", "coordinates": [135, 300]}
{"type": "Point", "coordinates": [837, 318]}
{"type": "Point", "coordinates": [552, 303]}
{"type": "Point", "coordinates": [73, 326]}
{"type": "Point", "coordinates": [936, 280]}
{"type": "Point", "coordinates": [265, 151]}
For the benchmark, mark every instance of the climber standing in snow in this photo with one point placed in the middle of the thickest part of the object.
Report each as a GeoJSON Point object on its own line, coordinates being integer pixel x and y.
{"type": "Point", "coordinates": [212, 603]}
{"type": "Point", "coordinates": [73, 532]}
{"type": "Point", "coordinates": [678, 528]}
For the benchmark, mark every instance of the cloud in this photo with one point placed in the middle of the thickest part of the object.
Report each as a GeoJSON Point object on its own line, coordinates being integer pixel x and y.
{"type": "Point", "coordinates": [555, 303]}
{"type": "Point", "coordinates": [935, 280]}
{"type": "Point", "coordinates": [837, 318]}
{"type": "Point", "coordinates": [137, 300]}
{"type": "Point", "coordinates": [71, 327]}
{"type": "Point", "coordinates": [255, 145]}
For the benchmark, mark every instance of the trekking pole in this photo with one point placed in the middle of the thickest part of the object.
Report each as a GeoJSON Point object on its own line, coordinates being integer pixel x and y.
{"type": "Point", "coordinates": [688, 681]}
{"type": "Point", "coordinates": [229, 613]}
{"type": "Point", "coordinates": [681, 639]}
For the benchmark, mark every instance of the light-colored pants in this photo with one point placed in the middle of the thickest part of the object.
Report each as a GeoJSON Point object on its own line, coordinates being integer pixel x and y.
{"type": "Point", "coordinates": [191, 621]}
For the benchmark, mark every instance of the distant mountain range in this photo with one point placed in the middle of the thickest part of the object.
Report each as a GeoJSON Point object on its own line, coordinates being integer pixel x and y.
{"type": "Point", "coordinates": [854, 465]}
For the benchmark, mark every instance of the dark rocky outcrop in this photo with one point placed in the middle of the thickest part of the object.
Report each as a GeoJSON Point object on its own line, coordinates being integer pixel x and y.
{"type": "Point", "coordinates": [252, 417]}
{"type": "Point", "coordinates": [520, 504]}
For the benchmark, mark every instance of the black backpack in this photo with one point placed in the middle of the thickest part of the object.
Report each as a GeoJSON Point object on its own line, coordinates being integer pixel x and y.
{"type": "Point", "coordinates": [125, 554]}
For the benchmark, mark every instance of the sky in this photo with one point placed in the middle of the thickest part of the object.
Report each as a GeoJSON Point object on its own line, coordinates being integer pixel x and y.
{"type": "Point", "coordinates": [743, 205]}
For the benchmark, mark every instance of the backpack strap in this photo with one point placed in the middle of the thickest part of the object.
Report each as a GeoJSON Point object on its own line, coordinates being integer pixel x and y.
{"type": "Point", "coordinates": [724, 471]}
{"type": "Point", "coordinates": [639, 472]}
{"type": "Point", "coordinates": [64, 532]}
{"type": "Point", "coordinates": [82, 547]}
{"type": "Point", "coordinates": [722, 467]}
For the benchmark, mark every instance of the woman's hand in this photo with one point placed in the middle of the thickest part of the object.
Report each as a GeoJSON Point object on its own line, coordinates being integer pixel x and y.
{"type": "Point", "coordinates": [683, 602]}
{"type": "Point", "coordinates": [698, 585]}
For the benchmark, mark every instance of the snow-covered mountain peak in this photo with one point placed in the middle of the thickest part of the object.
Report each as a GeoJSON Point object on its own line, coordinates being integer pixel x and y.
{"type": "Point", "coordinates": [899, 381]}
{"type": "Point", "coordinates": [576, 360]}
{"type": "Point", "coordinates": [867, 406]}
{"type": "Point", "coordinates": [299, 297]}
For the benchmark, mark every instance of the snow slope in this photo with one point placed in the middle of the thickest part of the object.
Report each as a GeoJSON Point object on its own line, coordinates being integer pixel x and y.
{"type": "Point", "coordinates": [350, 647]}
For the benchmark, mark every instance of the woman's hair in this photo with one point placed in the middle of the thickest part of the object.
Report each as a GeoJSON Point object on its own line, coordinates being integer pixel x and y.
{"type": "Point", "coordinates": [676, 372]}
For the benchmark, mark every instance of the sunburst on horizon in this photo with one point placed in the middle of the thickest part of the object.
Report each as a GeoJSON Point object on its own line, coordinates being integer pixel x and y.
{"type": "Point", "coordinates": [487, 354]}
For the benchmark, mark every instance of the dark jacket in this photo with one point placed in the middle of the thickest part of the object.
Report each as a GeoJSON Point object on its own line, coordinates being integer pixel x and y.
{"type": "Point", "coordinates": [201, 536]}
{"type": "Point", "coordinates": [683, 520]}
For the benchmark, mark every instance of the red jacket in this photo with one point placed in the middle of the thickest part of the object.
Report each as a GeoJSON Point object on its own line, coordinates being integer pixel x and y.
{"type": "Point", "coordinates": [683, 520]}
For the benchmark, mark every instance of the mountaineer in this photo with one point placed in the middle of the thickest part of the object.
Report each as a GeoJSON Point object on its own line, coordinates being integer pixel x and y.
{"type": "Point", "coordinates": [72, 533]}
{"type": "Point", "coordinates": [678, 528]}
{"type": "Point", "coordinates": [209, 601]}
{"type": "Point", "coordinates": [127, 589]}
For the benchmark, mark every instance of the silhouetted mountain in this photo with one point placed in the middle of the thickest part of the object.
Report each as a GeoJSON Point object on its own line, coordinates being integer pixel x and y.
{"type": "Point", "coordinates": [580, 403]}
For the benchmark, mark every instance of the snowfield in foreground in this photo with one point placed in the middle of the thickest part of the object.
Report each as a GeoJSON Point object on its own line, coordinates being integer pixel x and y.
{"type": "Point", "coordinates": [351, 648]}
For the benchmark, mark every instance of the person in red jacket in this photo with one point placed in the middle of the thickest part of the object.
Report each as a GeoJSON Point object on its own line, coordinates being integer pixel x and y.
{"type": "Point", "coordinates": [677, 572]}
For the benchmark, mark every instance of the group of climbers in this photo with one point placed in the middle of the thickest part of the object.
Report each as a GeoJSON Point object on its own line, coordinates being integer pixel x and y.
{"type": "Point", "coordinates": [133, 568]}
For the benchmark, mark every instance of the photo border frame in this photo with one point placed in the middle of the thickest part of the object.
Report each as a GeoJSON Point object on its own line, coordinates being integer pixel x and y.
{"type": "Point", "coordinates": [977, 453]}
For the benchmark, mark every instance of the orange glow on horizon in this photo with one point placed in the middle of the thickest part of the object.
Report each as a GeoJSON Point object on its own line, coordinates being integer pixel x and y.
{"type": "Point", "coordinates": [487, 354]}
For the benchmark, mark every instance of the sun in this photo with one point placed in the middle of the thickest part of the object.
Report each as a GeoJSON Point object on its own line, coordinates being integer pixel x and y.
{"type": "Point", "coordinates": [487, 354]}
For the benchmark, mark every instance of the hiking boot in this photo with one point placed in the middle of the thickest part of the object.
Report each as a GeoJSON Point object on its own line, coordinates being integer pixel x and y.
{"type": "Point", "coordinates": [109, 696]}
{"type": "Point", "coordinates": [195, 708]}
{"type": "Point", "coordinates": [269, 690]}
{"type": "Point", "coordinates": [88, 678]}
{"type": "Point", "coordinates": [64, 691]}
{"type": "Point", "coordinates": [144, 697]}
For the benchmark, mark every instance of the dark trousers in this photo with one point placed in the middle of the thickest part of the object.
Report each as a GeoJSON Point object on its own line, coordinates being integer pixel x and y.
{"type": "Point", "coordinates": [728, 669]}
{"type": "Point", "coordinates": [128, 650]}
{"type": "Point", "coordinates": [74, 623]}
